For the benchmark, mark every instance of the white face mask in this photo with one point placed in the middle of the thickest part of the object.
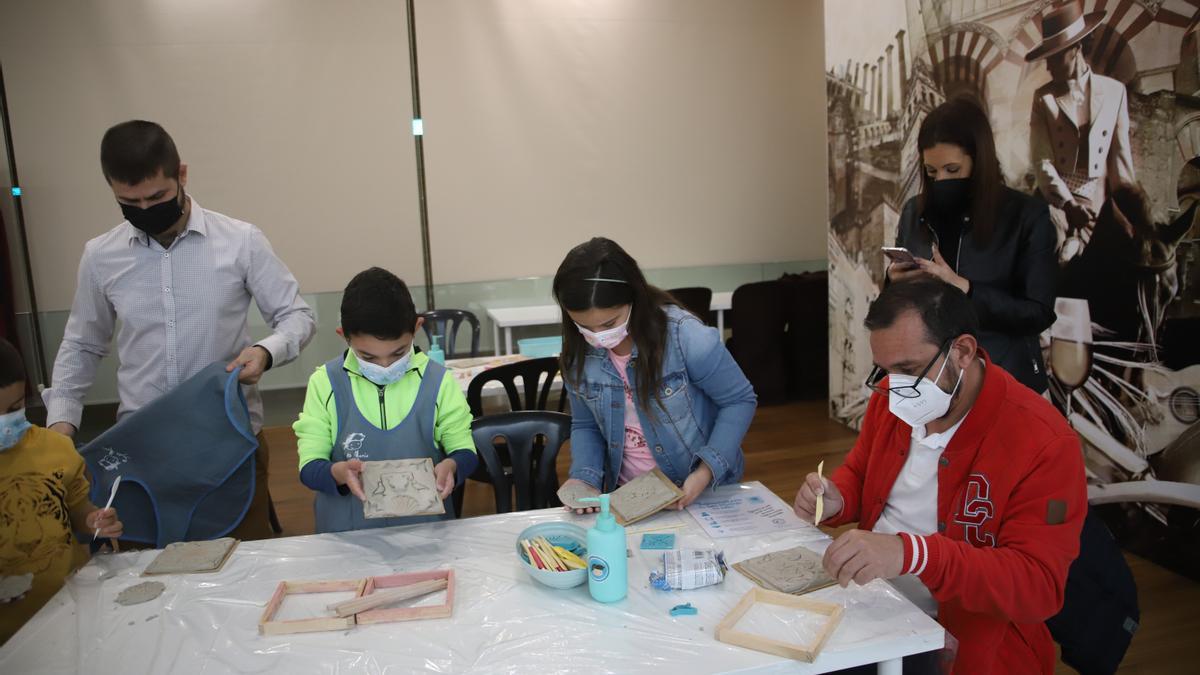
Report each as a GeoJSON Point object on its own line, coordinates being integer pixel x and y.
{"type": "Point", "coordinates": [607, 339]}
{"type": "Point", "coordinates": [931, 402]}
{"type": "Point", "coordinates": [384, 376]}
{"type": "Point", "coordinates": [13, 426]}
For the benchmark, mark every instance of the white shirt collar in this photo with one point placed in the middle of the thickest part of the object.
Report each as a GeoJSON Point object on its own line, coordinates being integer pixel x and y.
{"type": "Point", "coordinates": [938, 441]}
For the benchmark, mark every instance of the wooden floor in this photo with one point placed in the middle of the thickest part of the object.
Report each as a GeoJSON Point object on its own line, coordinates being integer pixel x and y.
{"type": "Point", "coordinates": [784, 444]}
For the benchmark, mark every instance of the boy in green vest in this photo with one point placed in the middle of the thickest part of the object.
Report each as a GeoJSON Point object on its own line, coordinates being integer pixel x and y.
{"type": "Point", "coordinates": [379, 400]}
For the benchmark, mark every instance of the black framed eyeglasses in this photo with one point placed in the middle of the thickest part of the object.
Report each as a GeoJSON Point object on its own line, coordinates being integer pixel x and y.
{"type": "Point", "coordinates": [908, 390]}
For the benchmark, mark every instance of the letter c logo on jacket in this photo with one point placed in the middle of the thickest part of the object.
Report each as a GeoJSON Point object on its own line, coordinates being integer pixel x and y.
{"type": "Point", "coordinates": [977, 509]}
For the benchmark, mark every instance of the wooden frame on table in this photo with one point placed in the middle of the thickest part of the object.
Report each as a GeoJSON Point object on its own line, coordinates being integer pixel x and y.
{"type": "Point", "coordinates": [385, 615]}
{"type": "Point", "coordinates": [727, 633]}
{"type": "Point", "coordinates": [267, 625]}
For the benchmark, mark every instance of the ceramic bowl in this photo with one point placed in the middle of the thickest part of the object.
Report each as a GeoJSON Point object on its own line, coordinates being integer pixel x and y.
{"type": "Point", "coordinates": [559, 534]}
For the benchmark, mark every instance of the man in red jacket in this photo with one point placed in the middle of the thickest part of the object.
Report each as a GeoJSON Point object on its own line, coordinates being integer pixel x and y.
{"type": "Point", "coordinates": [965, 483]}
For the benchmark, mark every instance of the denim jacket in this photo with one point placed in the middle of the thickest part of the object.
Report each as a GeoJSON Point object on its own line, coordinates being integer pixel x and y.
{"type": "Point", "coordinates": [707, 405]}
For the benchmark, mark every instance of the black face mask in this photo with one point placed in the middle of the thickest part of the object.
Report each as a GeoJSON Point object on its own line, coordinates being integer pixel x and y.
{"type": "Point", "coordinates": [949, 198]}
{"type": "Point", "coordinates": [156, 219]}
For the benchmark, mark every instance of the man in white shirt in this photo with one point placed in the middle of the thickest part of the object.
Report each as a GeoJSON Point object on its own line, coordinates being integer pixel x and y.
{"type": "Point", "coordinates": [179, 280]}
{"type": "Point", "coordinates": [1079, 129]}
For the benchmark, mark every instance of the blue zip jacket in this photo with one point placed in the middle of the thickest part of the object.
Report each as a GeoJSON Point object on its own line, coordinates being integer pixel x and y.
{"type": "Point", "coordinates": [706, 407]}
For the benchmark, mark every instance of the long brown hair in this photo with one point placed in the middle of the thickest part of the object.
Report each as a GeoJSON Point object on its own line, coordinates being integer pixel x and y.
{"type": "Point", "coordinates": [960, 121]}
{"type": "Point", "coordinates": [599, 274]}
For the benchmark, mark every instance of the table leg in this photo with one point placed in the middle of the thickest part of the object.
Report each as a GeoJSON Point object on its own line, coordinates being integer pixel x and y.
{"type": "Point", "coordinates": [496, 338]}
{"type": "Point", "coordinates": [892, 667]}
{"type": "Point", "coordinates": [721, 324]}
{"type": "Point", "coordinates": [508, 340]}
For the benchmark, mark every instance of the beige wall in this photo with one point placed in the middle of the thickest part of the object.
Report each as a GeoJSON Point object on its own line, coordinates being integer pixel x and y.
{"type": "Point", "coordinates": [292, 114]}
{"type": "Point", "coordinates": [690, 130]}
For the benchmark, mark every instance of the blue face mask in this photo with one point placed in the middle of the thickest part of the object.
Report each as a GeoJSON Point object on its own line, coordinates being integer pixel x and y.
{"type": "Point", "coordinates": [384, 376]}
{"type": "Point", "coordinates": [13, 426]}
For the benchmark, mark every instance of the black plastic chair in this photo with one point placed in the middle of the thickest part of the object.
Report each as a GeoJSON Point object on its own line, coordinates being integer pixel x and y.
{"type": "Point", "coordinates": [519, 449]}
{"type": "Point", "coordinates": [696, 300]}
{"type": "Point", "coordinates": [445, 324]}
{"type": "Point", "coordinates": [530, 372]}
{"type": "Point", "coordinates": [759, 321]}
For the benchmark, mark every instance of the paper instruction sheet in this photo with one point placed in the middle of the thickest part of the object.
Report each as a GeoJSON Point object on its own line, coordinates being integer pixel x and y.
{"type": "Point", "coordinates": [737, 511]}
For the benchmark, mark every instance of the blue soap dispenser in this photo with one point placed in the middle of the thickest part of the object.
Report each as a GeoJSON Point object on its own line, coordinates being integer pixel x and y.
{"type": "Point", "coordinates": [607, 565]}
{"type": "Point", "coordinates": [435, 351]}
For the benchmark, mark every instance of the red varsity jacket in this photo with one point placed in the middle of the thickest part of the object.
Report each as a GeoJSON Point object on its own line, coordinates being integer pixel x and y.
{"type": "Point", "coordinates": [1011, 502]}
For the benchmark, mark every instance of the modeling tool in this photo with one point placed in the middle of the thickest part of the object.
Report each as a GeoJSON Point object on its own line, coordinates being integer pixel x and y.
{"type": "Point", "coordinates": [820, 495]}
{"type": "Point", "coordinates": [111, 495]}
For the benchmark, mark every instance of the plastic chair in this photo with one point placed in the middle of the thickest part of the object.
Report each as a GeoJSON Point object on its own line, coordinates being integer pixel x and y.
{"type": "Point", "coordinates": [530, 372]}
{"type": "Point", "coordinates": [519, 449]}
{"type": "Point", "coordinates": [445, 324]}
{"type": "Point", "coordinates": [696, 300]}
{"type": "Point", "coordinates": [759, 321]}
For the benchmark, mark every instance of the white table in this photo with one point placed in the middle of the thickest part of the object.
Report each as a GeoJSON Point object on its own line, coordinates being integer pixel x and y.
{"type": "Point", "coordinates": [503, 621]}
{"type": "Point", "coordinates": [508, 318]}
{"type": "Point", "coordinates": [465, 370]}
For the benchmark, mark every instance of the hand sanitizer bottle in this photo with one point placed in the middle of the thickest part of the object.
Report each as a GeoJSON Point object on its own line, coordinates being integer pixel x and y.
{"type": "Point", "coordinates": [435, 351]}
{"type": "Point", "coordinates": [607, 565]}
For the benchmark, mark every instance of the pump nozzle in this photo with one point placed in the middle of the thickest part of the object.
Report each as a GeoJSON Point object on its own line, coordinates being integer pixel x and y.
{"type": "Point", "coordinates": [605, 520]}
{"type": "Point", "coordinates": [602, 500]}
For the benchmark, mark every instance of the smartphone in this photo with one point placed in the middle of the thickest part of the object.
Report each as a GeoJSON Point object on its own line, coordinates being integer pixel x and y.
{"type": "Point", "coordinates": [899, 255]}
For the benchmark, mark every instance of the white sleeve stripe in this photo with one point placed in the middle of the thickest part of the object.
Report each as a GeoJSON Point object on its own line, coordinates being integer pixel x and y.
{"type": "Point", "coordinates": [916, 553]}
{"type": "Point", "coordinates": [924, 556]}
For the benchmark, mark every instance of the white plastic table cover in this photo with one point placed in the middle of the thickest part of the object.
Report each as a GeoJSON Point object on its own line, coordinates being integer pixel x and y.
{"type": "Point", "coordinates": [503, 621]}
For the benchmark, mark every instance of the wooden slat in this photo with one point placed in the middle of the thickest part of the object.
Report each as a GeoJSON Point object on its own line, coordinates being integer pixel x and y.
{"type": "Point", "coordinates": [388, 597]}
{"type": "Point", "coordinates": [267, 625]}
{"type": "Point", "coordinates": [385, 615]}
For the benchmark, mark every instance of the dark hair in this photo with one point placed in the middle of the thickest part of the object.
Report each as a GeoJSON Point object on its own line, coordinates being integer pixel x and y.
{"type": "Point", "coordinates": [12, 367]}
{"type": "Point", "coordinates": [136, 150]}
{"type": "Point", "coordinates": [600, 274]}
{"type": "Point", "coordinates": [960, 121]}
{"type": "Point", "coordinates": [377, 303]}
{"type": "Point", "coordinates": [944, 309]}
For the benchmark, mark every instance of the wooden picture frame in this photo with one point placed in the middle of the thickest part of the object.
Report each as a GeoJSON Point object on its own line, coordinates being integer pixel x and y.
{"type": "Point", "coordinates": [727, 630]}
{"type": "Point", "coordinates": [387, 615]}
{"type": "Point", "coordinates": [643, 497]}
{"type": "Point", "coordinates": [267, 625]}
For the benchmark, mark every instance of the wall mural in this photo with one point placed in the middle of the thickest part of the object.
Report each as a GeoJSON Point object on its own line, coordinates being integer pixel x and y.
{"type": "Point", "coordinates": [1125, 350]}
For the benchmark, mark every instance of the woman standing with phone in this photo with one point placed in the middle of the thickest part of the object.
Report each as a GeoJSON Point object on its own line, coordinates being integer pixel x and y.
{"type": "Point", "coordinates": [970, 230]}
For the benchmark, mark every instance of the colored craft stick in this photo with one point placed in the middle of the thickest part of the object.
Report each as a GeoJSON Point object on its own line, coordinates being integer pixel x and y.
{"type": "Point", "coordinates": [533, 556]}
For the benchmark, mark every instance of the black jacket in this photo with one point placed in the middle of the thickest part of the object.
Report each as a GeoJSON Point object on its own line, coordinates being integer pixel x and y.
{"type": "Point", "coordinates": [1012, 279]}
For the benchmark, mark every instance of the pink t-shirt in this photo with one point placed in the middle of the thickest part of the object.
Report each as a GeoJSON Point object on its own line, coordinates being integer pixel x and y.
{"type": "Point", "coordinates": [637, 459]}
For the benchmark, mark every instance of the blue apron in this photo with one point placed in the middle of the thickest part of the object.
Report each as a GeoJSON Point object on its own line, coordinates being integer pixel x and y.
{"type": "Point", "coordinates": [186, 462]}
{"type": "Point", "coordinates": [359, 439]}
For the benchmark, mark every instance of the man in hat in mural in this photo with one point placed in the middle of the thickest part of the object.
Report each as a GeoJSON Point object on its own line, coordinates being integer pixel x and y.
{"type": "Point", "coordinates": [1079, 128]}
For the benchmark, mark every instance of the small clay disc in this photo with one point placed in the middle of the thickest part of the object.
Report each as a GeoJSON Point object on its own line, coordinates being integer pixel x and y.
{"type": "Point", "coordinates": [139, 593]}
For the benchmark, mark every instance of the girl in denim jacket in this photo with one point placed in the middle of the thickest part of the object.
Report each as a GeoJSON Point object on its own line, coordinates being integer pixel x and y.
{"type": "Point", "coordinates": [650, 384]}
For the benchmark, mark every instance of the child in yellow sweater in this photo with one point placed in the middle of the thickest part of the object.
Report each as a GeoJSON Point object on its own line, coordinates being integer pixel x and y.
{"type": "Point", "coordinates": [43, 502]}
